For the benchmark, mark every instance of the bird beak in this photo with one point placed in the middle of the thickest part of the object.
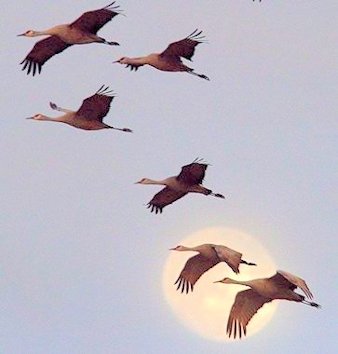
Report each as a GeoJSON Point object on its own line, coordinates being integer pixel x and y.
{"type": "Point", "coordinates": [137, 182]}
{"type": "Point", "coordinates": [30, 118]}
{"type": "Point", "coordinates": [20, 35]}
{"type": "Point", "coordinates": [171, 249]}
{"type": "Point", "coordinates": [116, 61]}
{"type": "Point", "coordinates": [218, 281]}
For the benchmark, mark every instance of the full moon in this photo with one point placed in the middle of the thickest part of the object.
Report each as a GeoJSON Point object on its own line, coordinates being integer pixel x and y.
{"type": "Point", "coordinates": [206, 310]}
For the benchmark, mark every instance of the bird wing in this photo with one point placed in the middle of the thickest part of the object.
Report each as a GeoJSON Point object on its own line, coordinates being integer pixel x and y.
{"type": "Point", "coordinates": [294, 281]}
{"type": "Point", "coordinates": [41, 52]}
{"type": "Point", "coordinates": [192, 271]}
{"type": "Point", "coordinates": [230, 257]}
{"type": "Point", "coordinates": [184, 48]}
{"type": "Point", "coordinates": [163, 198]}
{"type": "Point", "coordinates": [247, 303]}
{"type": "Point", "coordinates": [193, 173]}
{"type": "Point", "coordinates": [96, 106]}
{"type": "Point", "coordinates": [92, 21]}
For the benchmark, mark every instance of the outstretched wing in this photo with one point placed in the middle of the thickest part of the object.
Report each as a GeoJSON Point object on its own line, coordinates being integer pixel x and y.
{"type": "Point", "coordinates": [192, 271]}
{"type": "Point", "coordinates": [230, 257]}
{"type": "Point", "coordinates": [163, 198]}
{"type": "Point", "coordinates": [247, 303]}
{"type": "Point", "coordinates": [97, 106]}
{"type": "Point", "coordinates": [292, 282]}
{"type": "Point", "coordinates": [184, 48]}
{"type": "Point", "coordinates": [41, 52]}
{"type": "Point", "coordinates": [193, 173]}
{"type": "Point", "coordinates": [92, 21]}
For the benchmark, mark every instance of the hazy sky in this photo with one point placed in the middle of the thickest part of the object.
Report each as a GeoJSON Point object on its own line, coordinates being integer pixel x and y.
{"type": "Point", "coordinates": [81, 256]}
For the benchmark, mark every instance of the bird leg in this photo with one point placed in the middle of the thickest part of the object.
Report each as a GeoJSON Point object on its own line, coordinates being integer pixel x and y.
{"type": "Point", "coordinates": [217, 195]}
{"type": "Point", "coordinates": [109, 43]}
{"type": "Point", "coordinates": [122, 129]}
{"type": "Point", "coordinates": [56, 108]}
{"type": "Point", "coordinates": [311, 303]}
{"type": "Point", "coordinates": [199, 75]}
{"type": "Point", "coordinates": [248, 263]}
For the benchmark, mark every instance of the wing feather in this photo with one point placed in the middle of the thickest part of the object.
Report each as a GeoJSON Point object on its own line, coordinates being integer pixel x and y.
{"type": "Point", "coordinates": [185, 47]}
{"type": "Point", "coordinates": [96, 106]}
{"type": "Point", "coordinates": [193, 173]}
{"type": "Point", "coordinates": [231, 257]}
{"type": "Point", "coordinates": [41, 52]}
{"type": "Point", "coordinates": [296, 282]}
{"type": "Point", "coordinates": [246, 305]}
{"type": "Point", "coordinates": [163, 198]}
{"type": "Point", "coordinates": [92, 21]}
{"type": "Point", "coordinates": [194, 268]}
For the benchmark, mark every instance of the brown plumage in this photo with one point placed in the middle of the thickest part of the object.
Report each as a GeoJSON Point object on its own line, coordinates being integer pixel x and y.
{"type": "Point", "coordinates": [188, 181]}
{"type": "Point", "coordinates": [81, 31]}
{"type": "Point", "coordinates": [248, 302]}
{"type": "Point", "coordinates": [208, 256]}
{"type": "Point", "coordinates": [170, 58]}
{"type": "Point", "coordinates": [89, 116]}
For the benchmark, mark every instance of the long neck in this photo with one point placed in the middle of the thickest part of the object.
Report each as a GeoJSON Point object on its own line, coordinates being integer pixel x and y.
{"type": "Point", "coordinates": [53, 31]}
{"type": "Point", "coordinates": [60, 119]}
{"type": "Point", "coordinates": [240, 282]}
{"type": "Point", "coordinates": [41, 33]}
{"type": "Point", "coordinates": [137, 61]}
{"type": "Point", "coordinates": [153, 181]}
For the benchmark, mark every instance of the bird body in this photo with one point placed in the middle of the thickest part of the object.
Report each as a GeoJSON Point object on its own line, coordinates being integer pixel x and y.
{"type": "Point", "coordinates": [208, 256]}
{"type": "Point", "coordinates": [170, 58]}
{"type": "Point", "coordinates": [69, 34]}
{"type": "Point", "coordinates": [188, 181]}
{"type": "Point", "coordinates": [247, 302]}
{"type": "Point", "coordinates": [89, 116]}
{"type": "Point", "coordinates": [81, 31]}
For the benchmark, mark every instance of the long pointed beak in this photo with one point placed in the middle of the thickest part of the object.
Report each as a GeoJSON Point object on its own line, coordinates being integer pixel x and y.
{"type": "Point", "coordinates": [20, 35]}
{"type": "Point", "coordinates": [218, 281]}
{"type": "Point", "coordinates": [116, 61]}
{"type": "Point", "coordinates": [30, 118]}
{"type": "Point", "coordinates": [137, 182]}
{"type": "Point", "coordinates": [171, 249]}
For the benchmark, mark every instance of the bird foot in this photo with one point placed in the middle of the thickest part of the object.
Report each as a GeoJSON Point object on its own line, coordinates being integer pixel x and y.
{"type": "Point", "coordinates": [53, 105]}
{"type": "Point", "coordinates": [127, 130]}
{"type": "Point", "coordinates": [204, 77]}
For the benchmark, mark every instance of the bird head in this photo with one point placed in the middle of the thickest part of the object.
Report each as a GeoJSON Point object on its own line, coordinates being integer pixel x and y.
{"type": "Point", "coordinates": [224, 281]}
{"type": "Point", "coordinates": [142, 181]}
{"type": "Point", "coordinates": [123, 60]}
{"type": "Point", "coordinates": [177, 248]}
{"type": "Point", "coordinates": [29, 33]}
{"type": "Point", "coordinates": [38, 116]}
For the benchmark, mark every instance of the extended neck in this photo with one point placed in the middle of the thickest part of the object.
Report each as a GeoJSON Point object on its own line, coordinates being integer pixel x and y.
{"type": "Point", "coordinates": [136, 61]}
{"type": "Point", "coordinates": [152, 181]}
{"type": "Point", "coordinates": [239, 282]}
{"type": "Point", "coordinates": [41, 33]}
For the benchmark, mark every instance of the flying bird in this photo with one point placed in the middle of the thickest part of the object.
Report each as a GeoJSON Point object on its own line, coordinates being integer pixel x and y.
{"type": "Point", "coordinates": [170, 58]}
{"type": "Point", "coordinates": [248, 302]}
{"type": "Point", "coordinates": [188, 181]}
{"type": "Point", "coordinates": [81, 31]}
{"type": "Point", "coordinates": [208, 256]}
{"type": "Point", "coordinates": [89, 116]}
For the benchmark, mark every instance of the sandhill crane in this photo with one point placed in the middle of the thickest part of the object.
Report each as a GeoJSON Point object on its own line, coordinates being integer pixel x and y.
{"type": "Point", "coordinates": [169, 59]}
{"type": "Point", "coordinates": [176, 187]}
{"type": "Point", "coordinates": [208, 256]}
{"type": "Point", "coordinates": [89, 116]}
{"type": "Point", "coordinates": [81, 31]}
{"type": "Point", "coordinates": [248, 302]}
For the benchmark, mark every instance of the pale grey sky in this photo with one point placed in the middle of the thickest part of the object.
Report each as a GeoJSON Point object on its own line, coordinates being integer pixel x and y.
{"type": "Point", "coordinates": [81, 256]}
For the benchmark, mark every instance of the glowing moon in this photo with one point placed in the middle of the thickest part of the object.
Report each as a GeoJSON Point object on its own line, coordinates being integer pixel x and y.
{"type": "Point", "coordinates": [207, 308]}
